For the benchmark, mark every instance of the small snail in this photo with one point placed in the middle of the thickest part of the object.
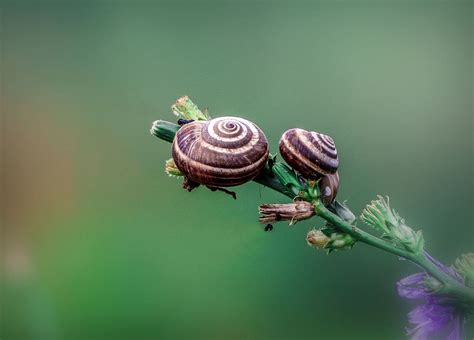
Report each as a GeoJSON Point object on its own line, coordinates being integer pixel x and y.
{"type": "Point", "coordinates": [310, 153]}
{"type": "Point", "coordinates": [328, 186]}
{"type": "Point", "coordinates": [220, 152]}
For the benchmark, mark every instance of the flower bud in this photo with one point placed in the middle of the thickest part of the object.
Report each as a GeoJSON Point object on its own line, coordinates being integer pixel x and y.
{"type": "Point", "coordinates": [293, 212]}
{"type": "Point", "coordinates": [185, 108]}
{"type": "Point", "coordinates": [381, 216]}
{"type": "Point", "coordinates": [164, 130]}
{"type": "Point", "coordinates": [171, 169]}
{"type": "Point", "coordinates": [329, 239]}
{"type": "Point", "coordinates": [316, 238]}
{"type": "Point", "coordinates": [465, 267]}
{"type": "Point", "coordinates": [340, 241]}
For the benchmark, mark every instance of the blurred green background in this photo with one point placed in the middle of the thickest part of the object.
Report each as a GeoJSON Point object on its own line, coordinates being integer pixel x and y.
{"type": "Point", "coordinates": [98, 243]}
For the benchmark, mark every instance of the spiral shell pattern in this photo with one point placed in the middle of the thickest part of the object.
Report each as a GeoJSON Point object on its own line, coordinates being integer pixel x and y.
{"type": "Point", "coordinates": [329, 186]}
{"type": "Point", "coordinates": [221, 152]}
{"type": "Point", "coordinates": [311, 153]}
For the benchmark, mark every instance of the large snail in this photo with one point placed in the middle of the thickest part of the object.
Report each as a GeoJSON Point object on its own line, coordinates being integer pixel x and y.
{"type": "Point", "coordinates": [314, 156]}
{"type": "Point", "coordinates": [220, 152]}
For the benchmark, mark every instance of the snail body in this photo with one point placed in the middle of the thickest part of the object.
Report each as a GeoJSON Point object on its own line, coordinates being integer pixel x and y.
{"type": "Point", "coordinates": [312, 154]}
{"type": "Point", "coordinates": [328, 187]}
{"type": "Point", "coordinates": [221, 152]}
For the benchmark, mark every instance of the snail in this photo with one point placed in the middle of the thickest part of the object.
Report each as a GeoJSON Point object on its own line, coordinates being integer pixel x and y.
{"type": "Point", "coordinates": [221, 152]}
{"type": "Point", "coordinates": [310, 153]}
{"type": "Point", "coordinates": [328, 186]}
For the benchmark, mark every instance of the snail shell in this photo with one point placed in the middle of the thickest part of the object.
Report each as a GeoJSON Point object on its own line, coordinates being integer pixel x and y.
{"type": "Point", "coordinates": [328, 186]}
{"type": "Point", "coordinates": [220, 152]}
{"type": "Point", "coordinates": [310, 153]}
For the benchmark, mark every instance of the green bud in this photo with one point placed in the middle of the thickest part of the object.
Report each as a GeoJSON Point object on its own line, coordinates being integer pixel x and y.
{"type": "Point", "coordinates": [185, 108]}
{"type": "Point", "coordinates": [327, 238]}
{"type": "Point", "coordinates": [340, 241]}
{"type": "Point", "coordinates": [465, 266]}
{"type": "Point", "coordinates": [164, 130]}
{"type": "Point", "coordinates": [317, 239]}
{"type": "Point", "coordinates": [380, 216]}
{"type": "Point", "coordinates": [171, 169]}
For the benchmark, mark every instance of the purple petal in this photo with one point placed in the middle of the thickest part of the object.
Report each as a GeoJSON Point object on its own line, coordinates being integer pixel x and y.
{"type": "Point", "coordinates": [412, 292]}
{"type": "Point", "coordinates": [431, 319]}
{"type": "Point", "coordinates": [456, 333]}
{"type": "Point", "coordinates": [411, 287]}
{"type": "Point", "coordinates": [418, 315]}
{"type": "Point", "coordinates": [436, 317]}
{"type": "Point", "coordinates": [420, 334]}
{"type": "Point", "coordinates": [433, 313]}
{"type": "Point", "coordinates": [413, 279]}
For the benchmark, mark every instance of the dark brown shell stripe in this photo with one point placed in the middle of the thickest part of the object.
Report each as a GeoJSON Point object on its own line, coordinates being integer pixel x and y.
{"type": "Point", "coordinates": [329, 186]}
{"type": "Point", "coordinates": [224, 151]}
{"type": "Point", "coordinates": [310, 153]}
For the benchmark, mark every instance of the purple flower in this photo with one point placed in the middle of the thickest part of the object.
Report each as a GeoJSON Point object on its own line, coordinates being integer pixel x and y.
{"type": "Point", "coordinates": [437, 316]}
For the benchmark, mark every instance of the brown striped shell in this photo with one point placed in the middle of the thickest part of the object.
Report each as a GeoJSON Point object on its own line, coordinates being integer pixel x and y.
{"type": "Point", "coordinates": [328, 186]}
{"type": "Point", "coordinates": [310, 153]}
{"type": "Point", "coordinates": [220, 152]}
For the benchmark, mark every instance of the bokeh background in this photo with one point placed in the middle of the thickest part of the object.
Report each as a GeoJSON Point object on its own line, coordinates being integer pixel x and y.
{"type": "Point", "coordinates": [98, 243]}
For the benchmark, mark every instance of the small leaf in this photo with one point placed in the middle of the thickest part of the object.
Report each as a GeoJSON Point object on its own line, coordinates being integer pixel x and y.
{"type": "Point", "coordinates": [287, 177]}
{"type": "Point", "coordinates": [420, 242]}
{"type": "Point", "coordinates": [327, 231]}
{"type": "Point", "coordinates": [343, 212]}
{"type": "Point", "coordinates": [386, 237]}
{"type": "Point", "coordinates": [270, 163]}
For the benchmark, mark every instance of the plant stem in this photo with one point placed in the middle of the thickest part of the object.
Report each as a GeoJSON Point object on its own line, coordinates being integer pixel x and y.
{"type": "Point", "coordinates": [267, 179]}
{"type": "Point", "coordinates": [357, 233]}
{"type": "Point", "coordinates": [166, 131]}
{"type": "Point", "coordinates": [450, 286]}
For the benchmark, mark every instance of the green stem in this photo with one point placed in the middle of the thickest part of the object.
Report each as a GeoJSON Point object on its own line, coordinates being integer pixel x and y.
{"type": "Point", "coordinates": [267, 179]}
{"type": "Point", "coordinates": [166, 131]}
{"type": "Point", "coordinates": [355, 232]}
{"type": "Point", "coordinates": [451, 287]}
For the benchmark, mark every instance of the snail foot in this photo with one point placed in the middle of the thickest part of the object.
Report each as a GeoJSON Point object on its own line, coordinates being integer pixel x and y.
{"type": "Point", "coordinates": [188, 184]}
{"type": "Point", "coordinates": [228, 192]}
